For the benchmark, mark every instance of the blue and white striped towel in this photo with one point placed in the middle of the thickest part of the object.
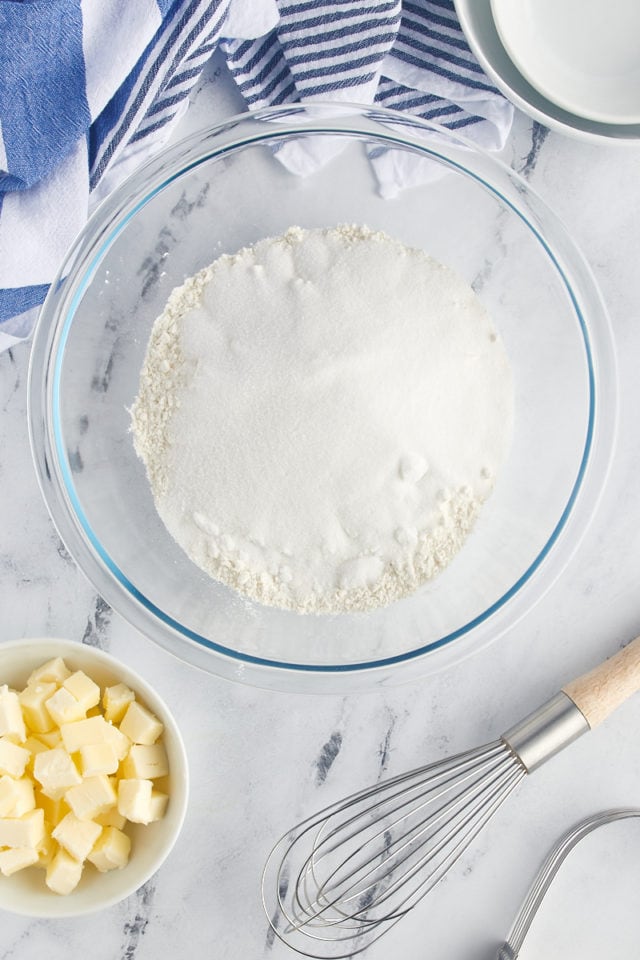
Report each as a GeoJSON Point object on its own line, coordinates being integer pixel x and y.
{"type": "Point", "coordinates": [90, 88]}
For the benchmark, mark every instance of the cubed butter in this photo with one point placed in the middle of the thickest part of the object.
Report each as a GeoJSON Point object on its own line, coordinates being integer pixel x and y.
{"type": "Point", "coordinates": [17, 858]}
{"type": "Point", "coordinates": [47, 847]}
{"type": "Point", "coordinates": [93, 796]}
{"type": "Point", "coordinates": [111, 818]}
{"type": "Point", "coordinates": [94, 730]}
{"type": "Point", "coordinates": [134, 799]}
{"type": "Point", "coordinates": [63, 873]}
{"type": "Point", "coordinates": [35, 713]}
{"type": "Point", "coordinates": [111, 850]}
{"type": "Point", "coordinates": [54, 810]}
{"type": "Point", "coordinates": [139, 802]}
{"type": "Point", "coordinates": [76, 836]}
{"type": "Point", "coordinates": [11, 720]}
{"type": "Point", "coordinates": [7, 794]}
{"type": "Point", "coordinates": [53, 671]}
{"type": "Point", "coordinates": [25, 831]}
{"type": "Point", "coordinates": [145, 762]}
{"type": "Point", "coordinates": [50, 740]}
{"type": "Point", "coordinates": [13, 759]}
{"type": "Point", "coordinates": [96, 758]}
{"type": "Point", "coordinates": [16, 796]}
{"type": "Point", "coordinates": [64, 708]}
{"type": "Point", "coordinates": [34, 745]}
{"type": "Point", "coordinates": [140, 725]}
{"type": "Point", "coordinates": [115, 701]}
{"type": "Point", "coordinates": [118, 740]}
{"type": "Point", "coordinates": [73, 769]}
{"type": "Point", "coordinates": [56, 772]}
{"type": "Point", "coordinates": [158, 805]}
{"type": "Point", "coordinates": [82, 687]}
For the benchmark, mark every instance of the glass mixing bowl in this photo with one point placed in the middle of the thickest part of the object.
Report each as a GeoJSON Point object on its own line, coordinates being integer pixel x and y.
{"type": "Point", "coordinates": [318, 166]}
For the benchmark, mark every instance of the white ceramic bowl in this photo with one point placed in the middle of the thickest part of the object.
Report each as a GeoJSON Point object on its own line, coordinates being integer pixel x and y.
{"type": "Point", "coordinates": [593, 72]}
{"type": "Point", "coordinates": [26, 892]}
{"type": "Point", "coordinates": [480, 30]}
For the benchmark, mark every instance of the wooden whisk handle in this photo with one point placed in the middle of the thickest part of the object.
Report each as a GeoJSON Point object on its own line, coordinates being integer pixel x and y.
{"type": "Point", "coordinates": [598, 693]}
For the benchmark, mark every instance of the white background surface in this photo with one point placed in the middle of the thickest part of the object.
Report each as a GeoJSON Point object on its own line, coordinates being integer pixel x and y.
{"type": "Point", "coordinates": [261, 760]}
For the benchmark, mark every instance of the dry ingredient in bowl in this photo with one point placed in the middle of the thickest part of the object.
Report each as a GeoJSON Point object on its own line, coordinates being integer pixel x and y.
{"type": "Point", "coordinates": [321, 416]}
{"type": "Point", "coordinates": [77, 763]}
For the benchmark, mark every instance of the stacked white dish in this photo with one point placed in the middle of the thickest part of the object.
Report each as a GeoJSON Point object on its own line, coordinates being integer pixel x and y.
{"type": "Point", "coordinates": [571, 67]}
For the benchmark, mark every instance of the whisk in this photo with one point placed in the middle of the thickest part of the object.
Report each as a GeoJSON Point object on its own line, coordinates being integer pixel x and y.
{"type": "Point", "coordinates": [339, 880]}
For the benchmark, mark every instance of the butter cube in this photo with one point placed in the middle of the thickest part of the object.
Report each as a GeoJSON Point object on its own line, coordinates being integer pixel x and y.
{"type": "Point", "coordinates": [33, 745]}
{"type": "Point", "coordinates": [47, 847]}
{"type": "Point", "coordinates": [32, 700]}
{"type": "Point", "coordinates": [96, 758]}
{"type": "Point", "coordinates": [17, 858]}
{"type": "Point", "coordinates": [6, 796]}
{"type": "Point", "coordinates": [25, 831]}
{"type": "Point", "coordinates": [53, 671]}
{"type": "Point", "coordinates": [82, 687]}
{"type": "Point", "coordinates": [111, 851]}
{"type": "Point", "coordinates": [157, 805]}
{"type": "Point", "coordinates": [64, 708]}
{"type": "Point", "coordinates": [11, 721]}
{"type": "Point", "coordinates": [134, 799]}
{"type": "Point", "coordinates": [13, 759]}
{"type": "Point", "coordinates": [16, 796]}
{"type": "Point", "coordinates": [76, 836]}
{"type": "Point", "coordinates": [111, 818]}
{"type": "Point", "coordinates": [93, 796]}
{"type": "Point", "coordinates": [118, 740]}
{"type": "Point", "coordinates": [115, 701]}
{"type": "Point", "coordinates": [54, 810]}
{"type": "Point", "coordinates": [50, 740]}
{"type": "Point", "coordinates": [140, 725]}
{"type": "Point", "coordinates": [63, 873]}
{"type": "Point", "coordinates": [55, 771]}
{"type": "Point", "coordinates": [139, 802]}
{"type": "Point", "coordinates": [146, 762]}
{"type": "Point", "coordinates": [93, 730]}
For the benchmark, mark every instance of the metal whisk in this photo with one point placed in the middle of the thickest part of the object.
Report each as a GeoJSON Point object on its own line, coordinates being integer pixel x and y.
{"type": "Point", "coordinates": [339, 880]}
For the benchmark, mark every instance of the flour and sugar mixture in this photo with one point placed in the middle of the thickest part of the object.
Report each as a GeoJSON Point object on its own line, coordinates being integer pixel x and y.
{"type": "Point", "coordinates": [321, 416]}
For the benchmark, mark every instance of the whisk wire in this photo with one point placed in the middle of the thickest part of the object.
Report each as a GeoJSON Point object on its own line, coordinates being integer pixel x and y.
{"type": "Point", "coordinates": [473, 762]}
{"type": "Point", "coordinates": [470, 764]}
{"type": "Point", "coordinates": [322, 817]}
{"type": "Point", "coordinates": [453, 817]}
{"type": "Point", "coordinates": [361, 864]}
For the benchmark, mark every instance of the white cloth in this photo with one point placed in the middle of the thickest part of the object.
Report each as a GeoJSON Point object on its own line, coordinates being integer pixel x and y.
{"type": "Point", "coordinates": [121, 77]}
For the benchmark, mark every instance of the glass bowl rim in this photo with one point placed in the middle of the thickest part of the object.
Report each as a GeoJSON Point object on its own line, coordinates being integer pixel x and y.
{"type": "Point", "coordinates": [112, 217]}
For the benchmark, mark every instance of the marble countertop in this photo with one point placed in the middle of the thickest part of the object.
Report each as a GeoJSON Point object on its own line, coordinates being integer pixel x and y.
{"type": "Point", "coordinates": [261, 760]}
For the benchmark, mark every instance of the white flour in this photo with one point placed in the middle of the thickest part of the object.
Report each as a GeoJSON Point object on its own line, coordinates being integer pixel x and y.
{"type": "Point", "coordinates": [321, 417]}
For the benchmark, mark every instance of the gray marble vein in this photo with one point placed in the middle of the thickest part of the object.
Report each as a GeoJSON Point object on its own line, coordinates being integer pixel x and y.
{"type": "Point", "coordinates": [385, 747]}
{"type": "Point", "coordinates": [98, 623]}
{"type": "Point", "coordinates": [102, 377]}
{"type": "Point", "coordinates": [151, 267]}
{"type": "Point", "coordinates": [16, 379]}
{"type": "Point", "coordinates": [184, 207]}
{"type": "Point", "coordinates": [327, 757]}
{"type": "Point", "coordinates": [135, 928]}
{"type": "Point", "coordinates": [275, 919]}
{"type": "Point", "coordinates": [539, 134]}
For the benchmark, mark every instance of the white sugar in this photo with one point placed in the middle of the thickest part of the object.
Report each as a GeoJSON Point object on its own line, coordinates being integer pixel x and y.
{"type": "Point", "coordinates": [321, 416]}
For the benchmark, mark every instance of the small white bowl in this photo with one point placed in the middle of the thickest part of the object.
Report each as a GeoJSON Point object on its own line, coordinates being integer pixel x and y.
{"type": "Point", "coordinates": [575, 53]}
{"type": "Point", "coordinates": [26, 892]}
{"type": "Point", "coordinates": [480, 30]}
